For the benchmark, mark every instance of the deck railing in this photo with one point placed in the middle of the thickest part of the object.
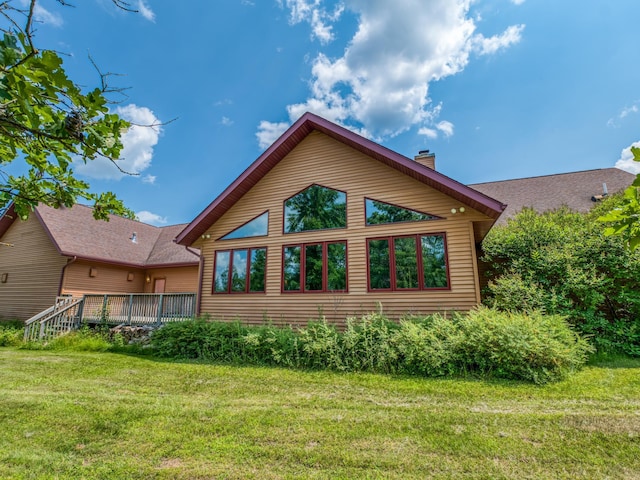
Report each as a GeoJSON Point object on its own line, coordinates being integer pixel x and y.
{"type": "Point", "coordinates": [138, 308]}
{"type": "Point", "coordinates": [61, 318]}
{"type": "Point", "coordinates": [119, 309]}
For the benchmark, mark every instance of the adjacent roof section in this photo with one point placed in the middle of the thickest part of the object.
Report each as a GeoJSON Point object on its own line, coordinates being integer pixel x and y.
{"type": "Point", "coordinates": [294, 135]}
{"type": "Point", "coordinates": [76, 233]}
{"type": "Point", "coordinates": [549, 192]}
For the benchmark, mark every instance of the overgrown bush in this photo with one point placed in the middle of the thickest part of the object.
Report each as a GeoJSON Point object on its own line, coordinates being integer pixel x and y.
{"type": "Point", "coordinates": [11, 333]}
{"type": "Point", "coordinates": [561, 263]}
{"type": "Point", "coordinates": [536, 347]}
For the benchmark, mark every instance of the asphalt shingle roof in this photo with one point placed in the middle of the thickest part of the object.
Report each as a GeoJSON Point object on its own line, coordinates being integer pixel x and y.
{"type": "Point", "coordinates": [76, 233]}
{"type": "Point", "coordinates": [549, 192]}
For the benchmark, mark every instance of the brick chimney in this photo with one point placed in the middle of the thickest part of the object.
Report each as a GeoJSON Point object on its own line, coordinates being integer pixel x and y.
{"type": "Point", "coordinates": [427, 159]}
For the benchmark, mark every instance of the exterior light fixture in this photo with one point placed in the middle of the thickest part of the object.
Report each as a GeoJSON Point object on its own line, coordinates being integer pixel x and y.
{"type": "Point", "coordinates": [454, 211]}
{"type": "Point", "coordinates": [148, 279]}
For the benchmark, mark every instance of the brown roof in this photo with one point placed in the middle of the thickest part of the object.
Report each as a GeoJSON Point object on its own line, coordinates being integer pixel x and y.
{"type": "Point", "coordinates": [549, 192]}
{"type": "Point", "coordinates": [75, 233]}
{"type": "Point", "coordinates": [298, 132]}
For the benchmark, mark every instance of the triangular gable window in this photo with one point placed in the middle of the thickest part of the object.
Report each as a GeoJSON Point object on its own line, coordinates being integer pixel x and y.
{"type": "Point", "coordinates": [258, 227]}
{"type": "Point", "coordinates": [380, 212]}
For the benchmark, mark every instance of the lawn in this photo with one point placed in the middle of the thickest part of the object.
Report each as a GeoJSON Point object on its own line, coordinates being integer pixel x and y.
{"type": "Point", "coordinates": [104, 415]}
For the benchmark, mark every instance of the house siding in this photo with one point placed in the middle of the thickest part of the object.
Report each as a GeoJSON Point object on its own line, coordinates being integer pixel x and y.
{"type": "Point", "coordinates": [318, 159]}
{"type": "Point", "coordinates": [33, 267]}
{"type": "Point", "coordinates": [107, 279]}
{"type": "Point", "coordinates": [178, 279]}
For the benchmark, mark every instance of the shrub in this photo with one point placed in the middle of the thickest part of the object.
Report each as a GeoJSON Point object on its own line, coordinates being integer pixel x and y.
{"type": "Point", "coordinates": [561, 263]}
{"type": "Point", "coordinates": [11, 333]}
{"type": "Point", "coordinates": [535, 347]}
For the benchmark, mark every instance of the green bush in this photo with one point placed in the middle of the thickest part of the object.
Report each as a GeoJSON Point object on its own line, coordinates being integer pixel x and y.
{"type": "Point", "coordinates": [561, 262]}
{"type": "Point", "coordinates": [535, 347]}
{"type": "Point", "coordinates": [11, 333]}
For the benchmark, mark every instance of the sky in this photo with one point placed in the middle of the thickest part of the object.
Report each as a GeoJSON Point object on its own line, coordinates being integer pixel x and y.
{"type": "Point", "coordinates": [497, 89]}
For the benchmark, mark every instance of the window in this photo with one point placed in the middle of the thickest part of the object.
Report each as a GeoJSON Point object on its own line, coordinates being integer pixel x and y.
{"type": "Point", "coordinates": [240, 271]}
{"type": "Point", "coordinates": [315, 208]}
{"type": "Point", "coordinates": [413, 262]}
{"type": "Point", "coordinates": [314, 267]}
{"type": "Point", "coordinates": [380, 212]}
{"type": "Point", "coordinates": [257, 227]}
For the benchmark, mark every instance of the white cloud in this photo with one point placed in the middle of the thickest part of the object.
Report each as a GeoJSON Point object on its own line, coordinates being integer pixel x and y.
{"type": "Point", "coordinates": [381, 82]}
{"type": "Point", "coordinates": [146, 11]}
{"type": "Point", "coordinates": [626, 162]}
{"type": "Point", "coordinates": [151, 179]}
{"type": "Point", "coordinates": [268, 132]}
{"type": "Point", "coordinates": [138, 143]}
{"type": "Point", "coordinates": [227, 122]}
{"type": "Point", "coordinates": [488, 46]}
{"type": "Point", "coordinates": [319, 18]}
{"type": "Point", "coordinates": [517, 2]}
{"type": "Point", "coordinates": [625, 112]}
{"type": "Point", "coordinates": [151, 218]}
{"type": "Point", "coordinates": [42, 15]}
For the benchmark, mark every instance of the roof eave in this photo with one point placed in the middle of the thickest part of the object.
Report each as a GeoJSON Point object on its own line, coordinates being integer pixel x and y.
{"type": "Point", "coordinates": [294, 135]}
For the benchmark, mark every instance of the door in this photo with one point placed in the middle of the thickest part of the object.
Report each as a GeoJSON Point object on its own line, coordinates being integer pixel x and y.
{"type": "Point", "coordinates": [158, 285]}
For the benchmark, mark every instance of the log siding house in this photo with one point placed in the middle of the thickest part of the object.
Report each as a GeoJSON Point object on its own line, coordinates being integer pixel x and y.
{"type": "Point", "coordinates": [387, 233]}
{"type": "Point", "coordinates": [66, 252]}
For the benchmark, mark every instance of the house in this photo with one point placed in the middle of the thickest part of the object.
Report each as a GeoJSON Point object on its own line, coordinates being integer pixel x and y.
{"type": "Point", "coordinates": [67, 252]}
{"type": "Point", "coordinates": [577, 190]}
{"type": "Point", "coordinates": [326, 222]}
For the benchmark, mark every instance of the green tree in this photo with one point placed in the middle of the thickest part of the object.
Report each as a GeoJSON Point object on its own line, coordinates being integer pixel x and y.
{"type": "Point", "coordinates": [624, 219]}
{"type": "Point", "coordinates": [561, 262]}
{"type": "Point", "coordinates": [47, 121]}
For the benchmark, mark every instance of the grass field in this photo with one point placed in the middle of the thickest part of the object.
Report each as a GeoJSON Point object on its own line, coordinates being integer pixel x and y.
{"type": "Point", "coordinates": [102, 415]}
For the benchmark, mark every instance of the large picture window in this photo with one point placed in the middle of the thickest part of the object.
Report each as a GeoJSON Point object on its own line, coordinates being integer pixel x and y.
{"type": "Point", "coordinates": [413, 262]}
{"type": "Point", "coordinates": [315, 208]}
{"type": "Point", "coordinates": [314, 267]}
{"type": "Point", "coordinates": [240, 271]}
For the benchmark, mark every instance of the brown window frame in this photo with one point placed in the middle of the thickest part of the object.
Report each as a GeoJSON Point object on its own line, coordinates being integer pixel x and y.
{"type": "Point", "coordinates": [325, 267]}
{"type": "Point", "coordinates": [247, 287]}
{"type": "Point", "coordinates": [419, 262]}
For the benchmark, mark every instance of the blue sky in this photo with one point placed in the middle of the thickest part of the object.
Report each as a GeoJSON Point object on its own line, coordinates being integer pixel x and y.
{"type": "Point", "coordinates": [497, 89]}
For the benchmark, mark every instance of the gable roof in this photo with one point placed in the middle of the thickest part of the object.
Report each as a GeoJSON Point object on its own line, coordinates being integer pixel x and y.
{"type": "Point", "coordinates": [549, 192]}
{"type": "Point", "coordinates": [298, 132]}
{"type": "Point", "coordinates": [75, 233]}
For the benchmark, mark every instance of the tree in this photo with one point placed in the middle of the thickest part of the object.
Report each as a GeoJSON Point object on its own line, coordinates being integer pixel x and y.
{"type": "Point", "coordinates": [47, 121]}
{"type": "Point", "coordinates": [624, 219]}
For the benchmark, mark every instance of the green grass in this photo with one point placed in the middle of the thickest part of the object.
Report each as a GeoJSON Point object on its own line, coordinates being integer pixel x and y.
{"type": "Point", "coordinates": [104, 415]}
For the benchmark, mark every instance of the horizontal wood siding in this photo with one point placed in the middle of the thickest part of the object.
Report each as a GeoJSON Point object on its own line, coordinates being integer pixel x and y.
{"type": "Point", "coordinates": [178, 279]}
{"type": "Point", "coordinates": [107, 279]}
{"type": "Point", "coordinates": [321, 160]}
{"type": "Point", "coordinates": [33, 267]}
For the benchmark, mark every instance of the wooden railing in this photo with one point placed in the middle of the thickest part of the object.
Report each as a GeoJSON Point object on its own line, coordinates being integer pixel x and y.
{"type": "Point", "coordinates": [120, 309]}
{"type": "Point", "coordinates": [138, 308]}
{"type": "Point", "coordinates": [61, 318]}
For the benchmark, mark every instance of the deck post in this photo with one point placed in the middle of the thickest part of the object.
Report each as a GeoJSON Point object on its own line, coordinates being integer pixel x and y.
{"type": "Point", "coordinates": [130, 308]}
{"type": "Point", "coordinates": [81, 311]}
{"type": "Point", "coordinates": [160, 302]}
{"type": "Point", "coordinates": [104, 314]}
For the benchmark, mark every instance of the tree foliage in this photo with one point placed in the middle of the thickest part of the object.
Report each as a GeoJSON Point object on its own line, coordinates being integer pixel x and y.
{"type": "Point", "coordinates": [561, 262]}
{"type": "Point", "coordinates": [624, 220]}
{"type": "Point", "coordinates": [47, 122]}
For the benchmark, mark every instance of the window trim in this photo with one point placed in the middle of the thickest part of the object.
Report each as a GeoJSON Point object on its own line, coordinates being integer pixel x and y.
{"type": "Point", "coordinates": [346, 210]}
{"type": "Point", "coordinates": [247, 287]}
{"type": "Point", "coordinates": [367, 224]}
{"type": "Point", "coordinates": [325, 267]}
{"type": "Point", "coordinates": [222, 239]}
{"type": "Point", "coordinates": [392, 263]}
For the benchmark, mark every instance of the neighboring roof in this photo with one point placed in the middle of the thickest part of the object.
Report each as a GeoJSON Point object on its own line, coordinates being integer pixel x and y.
{"type": "Point", "coordinates": [294, 135]}
{"type": "Point", "coordinates": [75, 233]}
{"type": "Point", "coordinates": [549, 192]}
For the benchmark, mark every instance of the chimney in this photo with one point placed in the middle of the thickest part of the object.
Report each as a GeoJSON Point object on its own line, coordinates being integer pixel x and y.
{"type": "Point", "coordinates": [427, 159]}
